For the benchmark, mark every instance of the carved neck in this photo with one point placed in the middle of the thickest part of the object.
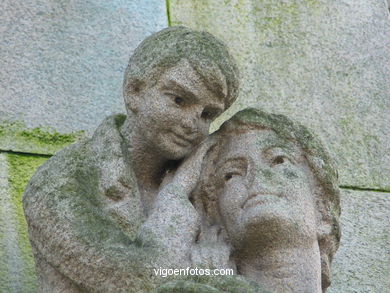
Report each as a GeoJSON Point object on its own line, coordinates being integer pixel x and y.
{"type": "Point", "coordinates": [148, 166]}
{"type": "Point", "coordinates": [284, 269]}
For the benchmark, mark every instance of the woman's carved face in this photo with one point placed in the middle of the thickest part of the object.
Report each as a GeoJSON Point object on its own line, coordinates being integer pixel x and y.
{"type": "Point", "coordinates": [267, 192]}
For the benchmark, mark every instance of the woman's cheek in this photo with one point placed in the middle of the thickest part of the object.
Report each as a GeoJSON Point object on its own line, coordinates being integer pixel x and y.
{"type": "Point", "coordinates": [234, 194]}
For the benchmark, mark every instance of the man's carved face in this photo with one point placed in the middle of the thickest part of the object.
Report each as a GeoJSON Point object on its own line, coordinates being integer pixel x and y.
{"type": "Point", "coordinates": [268, 189]}
{"type": "Point", "coordinates": [174, 115]}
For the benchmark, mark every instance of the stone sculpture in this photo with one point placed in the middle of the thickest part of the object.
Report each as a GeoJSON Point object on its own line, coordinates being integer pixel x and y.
{"type": "Point", "coordinates": [149, 189]}
{"type": "Point", "coordinates": [269, 196]}
{"type": "Point", "coordinates": [91, 209]}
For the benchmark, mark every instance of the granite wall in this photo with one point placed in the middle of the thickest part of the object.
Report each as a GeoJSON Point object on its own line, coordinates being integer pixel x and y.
{"type": "Point", "coordinates": [324, 63]}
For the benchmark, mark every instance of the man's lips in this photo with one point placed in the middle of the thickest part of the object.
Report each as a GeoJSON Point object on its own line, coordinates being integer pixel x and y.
{"type": "Point", "coordinates": [258, 198]}
{"type": "Point", "coordinates": [182, 140]}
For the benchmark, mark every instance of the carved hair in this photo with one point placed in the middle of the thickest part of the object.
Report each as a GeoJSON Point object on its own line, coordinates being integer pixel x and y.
{"type": "Point", "coordinates": [164, 49]}
{"type": "Point", "coordinates": [319, 161]}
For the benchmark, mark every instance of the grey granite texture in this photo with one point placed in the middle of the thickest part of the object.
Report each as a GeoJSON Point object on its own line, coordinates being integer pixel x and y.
{"type": "Point", "coordinates": [91, 211]}
{"type": "Point", "coordinates": [84, 213]}
{"type": "Point", "coordinates": [362, 263]}
{"type": "Point", "coordinates": [269, 190]}
{"type": "Point", "coordinates": [325, 63]}
{"type": "Point", "coordinates": [62, 62]}
{"type": "Point", "coordinates": [104, 212]}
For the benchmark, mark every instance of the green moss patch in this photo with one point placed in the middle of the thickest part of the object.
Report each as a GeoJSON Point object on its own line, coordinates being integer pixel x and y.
{"type": "Point", "coordinates": [16, 137]}
{"type": "Point", "coordinates": [21, 168]}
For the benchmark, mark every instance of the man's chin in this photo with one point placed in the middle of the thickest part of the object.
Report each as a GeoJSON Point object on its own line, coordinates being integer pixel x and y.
{"type": "Point", "coordinates": [176, 153]}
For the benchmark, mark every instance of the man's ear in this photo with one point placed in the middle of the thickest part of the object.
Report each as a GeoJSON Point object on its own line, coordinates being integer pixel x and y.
{"type": "Point", "coordinates": [132, 92]}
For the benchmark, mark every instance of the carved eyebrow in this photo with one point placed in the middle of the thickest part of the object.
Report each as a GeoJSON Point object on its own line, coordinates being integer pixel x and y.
{"type": "Point", "coordinates": [217, 90]}
{"type": "Point", "coordinates": [215, 108]}
{"type": "Point", "coordinates": [279, 148]}
{"type": "Point", "coordinates": [173, 84]}
{"type": "Point", "coordinates": [292, 153]}
{"type": "Point", "coordinates": [240, 160]}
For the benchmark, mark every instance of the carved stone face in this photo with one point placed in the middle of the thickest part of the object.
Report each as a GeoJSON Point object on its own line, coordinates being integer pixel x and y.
{"type": "Point", "coordinates": [174, 115]}
{"type": "Point", "coordinates": [267, 192]}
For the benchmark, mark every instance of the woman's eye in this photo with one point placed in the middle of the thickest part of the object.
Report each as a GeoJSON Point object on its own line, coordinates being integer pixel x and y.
{"type": "Point", "coordinates": [230, 175]}
{"type": "Point", "coordinates": [179, 100]}
{"type": "Point", "coordinates": [279, 160]}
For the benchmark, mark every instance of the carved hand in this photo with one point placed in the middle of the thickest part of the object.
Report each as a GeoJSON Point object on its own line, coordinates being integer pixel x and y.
{"type": "Point", "coordinates": [173, 221]}
{"type": "Point", "coordinates": [188, 174]}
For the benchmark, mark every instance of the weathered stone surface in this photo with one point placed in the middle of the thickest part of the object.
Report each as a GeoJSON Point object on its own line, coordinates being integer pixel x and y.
{"type": "Point", "coordinates": [62, 62]}
{"type": "Point", "coordinates": [17, 267]}
{"type": "Point", "coordinates": [269, 190]}
{"type": "Point", "coordinates": [86, 212]}
{"type": "Point", "coordinates": [104, 212]}
{"type": "Point", "coordinates": [362, 263]}
{"type": "Point", "coordinates": [324, 63]}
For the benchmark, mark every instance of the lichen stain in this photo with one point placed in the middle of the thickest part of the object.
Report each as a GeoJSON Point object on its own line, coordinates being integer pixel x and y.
{"type": "Point", "coordinates": [21, 168]}
{"type": "Point", "coordinates": [16, 136]}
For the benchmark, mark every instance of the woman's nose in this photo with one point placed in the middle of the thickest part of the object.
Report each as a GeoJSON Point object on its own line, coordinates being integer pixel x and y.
{"type": "Point", "coordinates": [260, 178]}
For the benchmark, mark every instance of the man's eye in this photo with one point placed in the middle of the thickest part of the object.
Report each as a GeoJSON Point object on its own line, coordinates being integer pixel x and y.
{"type": "Point", "coordinates": [208, 114]}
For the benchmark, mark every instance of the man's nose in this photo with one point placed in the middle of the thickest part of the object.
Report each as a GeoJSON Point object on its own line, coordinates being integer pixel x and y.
{"type": "Point", "coordinates": [191, 121]}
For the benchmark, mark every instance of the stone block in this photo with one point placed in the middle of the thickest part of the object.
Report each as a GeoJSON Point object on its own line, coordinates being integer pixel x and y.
{"type": "Point", "coordinates": [17, 267]}
{"type": "Point", "coordinates": [362, 263]}
{"type": "Point", "coordinates": [324, 63]}
{"type": "Point", "coordinates": [62, 62]}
